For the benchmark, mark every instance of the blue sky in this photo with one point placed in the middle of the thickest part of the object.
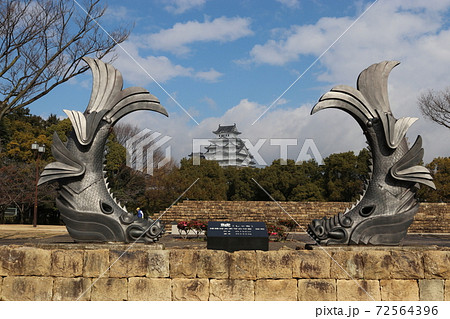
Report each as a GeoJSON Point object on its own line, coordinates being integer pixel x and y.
{"type": "Point", "coordinates": [227, 62]}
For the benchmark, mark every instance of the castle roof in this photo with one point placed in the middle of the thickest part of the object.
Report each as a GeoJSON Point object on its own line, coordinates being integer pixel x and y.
{"type": "Point", "coordinates": [227, 129]}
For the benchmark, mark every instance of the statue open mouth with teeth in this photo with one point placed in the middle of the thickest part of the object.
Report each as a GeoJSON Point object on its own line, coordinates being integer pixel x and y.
{"type": "Point", "coordinates": [388, 204]}
{"type": "Point", "coordinates": [89, 210]}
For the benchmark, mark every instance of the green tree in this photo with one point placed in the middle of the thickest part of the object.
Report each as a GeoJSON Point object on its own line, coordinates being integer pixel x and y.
{"type": "Point", "coordinates": [291, 181]}
{"type": "Point", "coordinates": [127, 185]}
{"type": "Point", "coordinates": [211, 184]}
{"type": "Point", "coordinates": [362, 164]}
{"type": "Point", "coordinates": [18, 164]}
{"type": "Point", "coordinates": [308, 192]}
{"type": "Point", "coordinates": [344, 174]}
{"type": "Point", "coordinates": [440, 169]}
{"type": "Point", "coordinates": [21, 130]}
{"type": "Point", "coordinates": [116, 155]}
{"type": "Point", "coordinates": [62, 128]}
{"type": "Point", "coordinates": [162, 188]}
{"type": "Point", "coordinates": [19, 148]}
{"type": "Point", "coordinates": [241, 186]}
{"type": "Point", "coordinates": [275, 179]}
{"type": "Point", "coordinates": [310, 183]}
{"type": "Point", "coordinates": [278, 179]}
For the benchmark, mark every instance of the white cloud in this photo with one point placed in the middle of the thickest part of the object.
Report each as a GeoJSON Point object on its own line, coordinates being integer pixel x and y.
{"type": "Point", "coordinates": [412, 32]}
{"type": "Point", "coordinates": [281, 101]}
{"type": "Point", "coordinates": [82, 82]}
{"type": "Point", "coordinates": [180, 6]}
{"type": "Point", "coordinates": [210, 102]}
{"type": "Point", "coordinates": [300, 40]}
{"type": "Point", "coordinates": [140, 70]}
{"type": "Point", "coordinates": [282, 123]}
{"type": "Point", "coordinates": [387, 27]}
{"type": "Point", "coordinates": [210, 76]}
{"type": "Point", "coordinates": [158, 67]}
{"type": "Point", "coordinates": [177, 38]}
{"type": "Point", "coordinates": [333, 131]}
{"type": "Point", "coordinates": [117, 13]}
{"type": "Point", "coordinates": [290, 3]}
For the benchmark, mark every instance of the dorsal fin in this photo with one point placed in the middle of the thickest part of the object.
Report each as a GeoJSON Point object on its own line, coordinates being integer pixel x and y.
{"type": "Point", "coordinates": [373, 84]}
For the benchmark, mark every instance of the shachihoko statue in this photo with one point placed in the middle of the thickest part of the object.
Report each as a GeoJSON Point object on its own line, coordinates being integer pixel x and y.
{"type": "Point", "coordinates": [387, 206]}
{"type": "Point", "coordinates": [87, 207]}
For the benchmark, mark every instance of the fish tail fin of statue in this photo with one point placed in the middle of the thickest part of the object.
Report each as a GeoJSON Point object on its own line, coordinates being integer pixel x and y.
{"type": "Point", "coordinates": [87, 206]}
{"type": "Point", "coordinates": [388, 205]}
{"type": "Point", "coordinates": [407, 168]}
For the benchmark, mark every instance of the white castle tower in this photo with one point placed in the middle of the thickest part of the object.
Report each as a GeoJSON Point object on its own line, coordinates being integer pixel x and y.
{"type": "Point", "coordinates": [228, 149]}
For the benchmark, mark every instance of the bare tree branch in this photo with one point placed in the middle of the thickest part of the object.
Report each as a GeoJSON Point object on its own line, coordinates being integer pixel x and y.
{"type": "Point", "coordinates": [124, 132]}
{"type": "Point", "coordinates": [435, 105]}
{"type": "Point", "coordinates": [42, 43]}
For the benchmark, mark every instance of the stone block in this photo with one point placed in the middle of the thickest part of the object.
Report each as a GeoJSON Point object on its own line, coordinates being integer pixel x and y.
{"type": "Point", "coordinates": [395, 264]}
{"type": "Point", "coordinates": [96, 263]}
{"type": "Point", "coordinates": [131, 263]}
{"type": "Point", "coordinates": [399, 290]}
{"type": "Point", "coordinates": [407, 264]}
{"type": "Point", "coordinates": [376, 264]}
{"type": "Point", "coordinates": [71, 289]}
{"type": "Point", "coordinates": [149, 289]}
{"type": "Point", "coordinates": [231, 290]}
{"type": "Point", "coordinates": [311, 264]}
{"type": "Point", "coordinates": [27, 289]}
{"type": "Point", "coordinates": [351, 263]}
{"type": "Point", "coordinates": [4, 260]}
{"type": "Point", "coordinates": [213, 264]}
{"type": "Point", "coordinates": [447, 290]}
{"type": "Point", "coordinates": [358, 290]}
{"type": "Point", "coordinates": [67, 263]}
{"type": "Point", "coordinates": [274, 264]}
{"type": "Point", "coordinates": [437, 264]}
{"type": "Point", "coordinates": [24, 261]}
{"type": "Point", "coordinates": [276, 290]}
{"type": "Point", "coordinates": [317, 289]}
{"type": "Point", "coordinates": [158, 264]}
{"type": "Point", "coordinates": [243, 265]}
{"type": "Point", "coordinates": [431, 290]}
{"type": "Point", "coordinates": [109, 289]}
{"type": "Point", "coordinates": [187, 289]}
{"type": "Point", "coordinates": [183, 263]}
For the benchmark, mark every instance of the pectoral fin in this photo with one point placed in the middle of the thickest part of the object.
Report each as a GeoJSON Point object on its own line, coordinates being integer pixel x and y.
{"type": "Point", "coordinates": [66, 165]}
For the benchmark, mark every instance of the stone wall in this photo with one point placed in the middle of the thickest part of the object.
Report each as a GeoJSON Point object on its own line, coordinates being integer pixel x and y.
{"type": "Point", "coordinates": [431, 218]}
{"type": "Point", "coordinates": [81, 272]}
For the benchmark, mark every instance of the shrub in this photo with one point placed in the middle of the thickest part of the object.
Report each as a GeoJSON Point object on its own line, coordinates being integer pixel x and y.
{"type": "Point", "coordinates": [195, 226]}
{"type": "Point", "coordinates": [289, 223]}
{"type": "Point", "coordinates": [277, 232]}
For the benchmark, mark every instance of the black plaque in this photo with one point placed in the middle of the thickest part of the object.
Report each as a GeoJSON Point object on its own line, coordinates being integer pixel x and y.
{"type": "Point", "coordinates": [233, 236]}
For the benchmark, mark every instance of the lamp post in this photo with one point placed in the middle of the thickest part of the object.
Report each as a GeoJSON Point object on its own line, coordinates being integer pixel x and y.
{"type": "Point", "coordinates": [35, 147]}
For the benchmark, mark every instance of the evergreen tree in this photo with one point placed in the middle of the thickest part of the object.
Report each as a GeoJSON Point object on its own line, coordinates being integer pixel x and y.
{"type": "Point", "coordinates": [440, 169]}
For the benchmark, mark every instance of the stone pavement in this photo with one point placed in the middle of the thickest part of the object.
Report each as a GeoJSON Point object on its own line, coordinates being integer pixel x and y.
{"type": "Point", "coordinates": [50, 234]}
{"type": "Point", "coordinates": [13, 231]}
